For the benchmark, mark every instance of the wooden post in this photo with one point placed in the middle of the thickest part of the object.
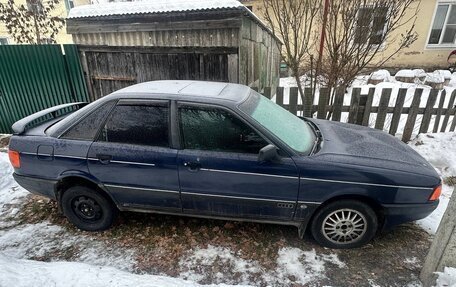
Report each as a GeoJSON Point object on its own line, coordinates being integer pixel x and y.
{"type": "Point", "coordinates": [279, 96]}
{"type": "Point", "coordinates": [397, 112]}
{"type": "Point", "coordinates": [383, 108]}
{"type": "Point", "coordinates": [368, 107]}
{"type": "Point", "coordinates": [443, 248]}
{"type": "Point", "coordinates": [293, 104]}
{"type": "Point", "coordinates": [308, 102]}
{"type": "Point", "coordinates": [354, 105]}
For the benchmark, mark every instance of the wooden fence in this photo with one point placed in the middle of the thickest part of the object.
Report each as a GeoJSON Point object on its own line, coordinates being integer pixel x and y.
{"type": "Point", "coordinates": [361, 107]}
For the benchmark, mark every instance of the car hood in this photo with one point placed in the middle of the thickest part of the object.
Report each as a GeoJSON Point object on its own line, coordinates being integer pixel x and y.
{"type": "Point", "coordinates": [363, 146]}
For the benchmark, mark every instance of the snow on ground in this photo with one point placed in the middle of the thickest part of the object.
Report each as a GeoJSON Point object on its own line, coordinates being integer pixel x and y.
{"type": "Point", "coordinates": [440, 150]}
{"type": "Point", "coordinates": [447, 278]}
{"type": "Point", "coordinates": [303, 266]}
{"type": "Point", "coordinates": [26, 273]}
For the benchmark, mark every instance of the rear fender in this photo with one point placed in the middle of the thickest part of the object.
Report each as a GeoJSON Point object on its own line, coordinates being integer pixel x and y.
{"type": "Point", "coordinates": [74, 174]}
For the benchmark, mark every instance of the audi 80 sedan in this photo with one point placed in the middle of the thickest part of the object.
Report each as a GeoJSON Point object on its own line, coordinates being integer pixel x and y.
{"type": "Point", "coordinates": [223, 151]}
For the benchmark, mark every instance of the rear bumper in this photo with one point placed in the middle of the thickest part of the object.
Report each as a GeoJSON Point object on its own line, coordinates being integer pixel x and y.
{"type": "Point", "coordinates": [401, 213]}
{"type": "Point", "coordinates": [44, 187]}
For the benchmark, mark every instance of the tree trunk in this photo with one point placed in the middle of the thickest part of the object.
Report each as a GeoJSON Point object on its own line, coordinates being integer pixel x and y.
{"type": "Point", "coordinates": [298, 82]}
{"type": "Point", "coordinates": [37, 30]}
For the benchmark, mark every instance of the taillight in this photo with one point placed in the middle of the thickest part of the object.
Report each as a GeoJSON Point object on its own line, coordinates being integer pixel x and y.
{"type": "Point", "coordinates": [436, 193]}
{"type": "Point", "coordinates": [14, 158]}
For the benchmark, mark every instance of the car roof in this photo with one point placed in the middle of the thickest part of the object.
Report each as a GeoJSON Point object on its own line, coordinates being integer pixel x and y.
{"type": "Point", "coordinates": [183, 89]}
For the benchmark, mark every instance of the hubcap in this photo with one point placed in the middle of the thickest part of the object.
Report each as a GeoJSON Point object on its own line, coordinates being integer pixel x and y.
{"type": "Point", "coordinates": [344, 226]}
{"type": "Point", "coordinates": [86, 208]}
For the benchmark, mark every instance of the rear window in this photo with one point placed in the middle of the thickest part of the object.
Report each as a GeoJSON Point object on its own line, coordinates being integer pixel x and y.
{"type": "Point", "coordinates": [138, 125]}
{"type": "Point", "coordinates": [88, 127]}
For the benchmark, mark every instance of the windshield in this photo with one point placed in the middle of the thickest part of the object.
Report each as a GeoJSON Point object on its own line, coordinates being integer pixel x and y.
{"type": "Point", "coordinates": [292, 130]}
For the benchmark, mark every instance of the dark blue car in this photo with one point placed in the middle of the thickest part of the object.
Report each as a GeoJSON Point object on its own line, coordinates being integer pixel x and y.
{"type": "Point", "coordinates": [221, 151]}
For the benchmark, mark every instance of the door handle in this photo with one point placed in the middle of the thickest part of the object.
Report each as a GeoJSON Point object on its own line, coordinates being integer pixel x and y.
{"type": "Point", "coordinates": [192, 165]}
{"type": "Point", "coordinates": [104, 158]}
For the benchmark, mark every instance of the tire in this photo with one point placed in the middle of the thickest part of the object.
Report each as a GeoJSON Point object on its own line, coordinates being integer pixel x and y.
{"type": "Point", "coordinates": [88, 209]}
{"type": "Point", "coordinates": [344, 224]}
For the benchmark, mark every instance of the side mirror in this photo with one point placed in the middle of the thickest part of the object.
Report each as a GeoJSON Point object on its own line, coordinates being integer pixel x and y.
{"type": "Point", "coordinates": [268, 153]}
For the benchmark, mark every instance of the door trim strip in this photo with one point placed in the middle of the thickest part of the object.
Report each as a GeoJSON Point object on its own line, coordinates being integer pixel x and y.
{"type": "Point", "coordinates": [237, 197]}
{"type": "Point", "coordinates": [142, 188]}
{"type": "Point", "coordinates": [365, 183]}
{"type": "Point", "coordinates": [248, 173]}
{"type": "Point", "coordinates": [126, 162]}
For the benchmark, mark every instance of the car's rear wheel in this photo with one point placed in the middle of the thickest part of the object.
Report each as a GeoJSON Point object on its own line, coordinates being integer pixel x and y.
{"type": "Point", "coordinates": [88, 209]}
{"type": "Point", "coordinates": [344, 224]}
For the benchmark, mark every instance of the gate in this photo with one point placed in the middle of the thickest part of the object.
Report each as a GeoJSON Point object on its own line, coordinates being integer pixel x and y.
{"type": "Point", "coordinates": [35, 77]}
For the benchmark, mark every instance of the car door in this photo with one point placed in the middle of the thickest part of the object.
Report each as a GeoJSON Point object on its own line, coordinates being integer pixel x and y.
{"type": "Point", "coordinates": [133, 159]}
{"type": "Point", "coordinates": [219, 171]}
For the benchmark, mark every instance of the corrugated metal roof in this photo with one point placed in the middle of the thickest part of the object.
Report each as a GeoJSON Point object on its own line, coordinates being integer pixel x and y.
{"type": "Point", "coordinates": [151, 7]}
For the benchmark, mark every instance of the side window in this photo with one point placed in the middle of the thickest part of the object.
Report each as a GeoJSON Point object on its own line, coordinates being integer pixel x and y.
{"type": "Point", "coordinates": [137, 124]}
{"type": "Point", "coordinates": [217, 130]}
{"type": "Point", "coordinates": [88, 127]}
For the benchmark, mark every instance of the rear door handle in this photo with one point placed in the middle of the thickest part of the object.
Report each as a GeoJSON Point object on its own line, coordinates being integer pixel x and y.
{"type": "Point", "coordinates": [104, 158]}
{"type": "Point", "coordinates": [192, 165]}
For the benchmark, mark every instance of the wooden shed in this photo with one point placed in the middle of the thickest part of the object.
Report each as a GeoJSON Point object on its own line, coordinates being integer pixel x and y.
{"type": "Point", "coordinates": [130, 42]}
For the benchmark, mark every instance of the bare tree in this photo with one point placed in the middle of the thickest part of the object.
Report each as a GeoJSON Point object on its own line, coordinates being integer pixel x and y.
{"type": "Point", "coordinates": [32, 23]}
{"type": "Point", "coordinates": [364, 34]}
{"type": "Point", "coordinates": [292, 21]}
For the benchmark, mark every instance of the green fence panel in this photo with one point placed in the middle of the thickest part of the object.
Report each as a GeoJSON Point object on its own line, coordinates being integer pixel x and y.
{"type": "Point", "coordinates": [35, 77]}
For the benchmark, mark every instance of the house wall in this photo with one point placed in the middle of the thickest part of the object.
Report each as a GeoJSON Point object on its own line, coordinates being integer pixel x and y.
{"type": "Point", "coordinates": [418, 55]}
{"type": "Point", "coordinates": [60, 11]}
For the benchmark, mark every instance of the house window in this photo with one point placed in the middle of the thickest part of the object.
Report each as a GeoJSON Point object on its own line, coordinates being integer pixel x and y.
{"type": "Point", "coordinates": [3, 41]}
{"type": "Point", "coordinates": [69, 4]}
{"type": "Point", "coordinates": [370, 26]}
{"type": "Point", "coordinates": [443, 31]}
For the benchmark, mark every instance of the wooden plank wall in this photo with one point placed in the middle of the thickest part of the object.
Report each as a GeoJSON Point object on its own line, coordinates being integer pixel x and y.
{"type": "Point", "coordinates": [259, 56]}
{"type": "Point", "coordinates": [108, 71]}
{"type": "Point", "coordinates": [227, 37]}
{"type": "Point", "coordinates": [435, 116]}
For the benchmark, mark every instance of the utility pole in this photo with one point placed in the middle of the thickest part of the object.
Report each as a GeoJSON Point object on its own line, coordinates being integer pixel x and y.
{"type": "Point", "coordinates": [322, 44]}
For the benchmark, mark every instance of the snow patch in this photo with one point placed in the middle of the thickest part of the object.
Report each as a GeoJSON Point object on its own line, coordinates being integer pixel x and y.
{"type": "Point", "coordinates": [20, 272]}
{"type": "Point", "coordinates": [43, 239]}
{"type": "Point", "coordinates": [446, 278]}
{"type": "Point", "coordinates": [294, 266]}
{"type": "Point", "coordinates": [444, 73]}
{"type": "Point", "coordinates": [405, 73]}
{"type": "Point", "coordinates": [304, 266]}
{"type": "Point", "coordinates": [380, 75]}
{"type": "Point", "coordinates": [200, 259]}
{"type": "Point", "coordinates": [435, 78]}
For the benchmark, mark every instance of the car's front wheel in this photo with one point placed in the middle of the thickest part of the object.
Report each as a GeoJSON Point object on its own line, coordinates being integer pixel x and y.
{"type": "Point", "coordinates": [344, 224]}
{"type": "Point", "coordinates": [88, 209]}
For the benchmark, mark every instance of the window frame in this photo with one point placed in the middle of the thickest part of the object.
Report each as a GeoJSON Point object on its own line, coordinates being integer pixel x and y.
{"type": "Point", "coordinates": [371, 24]}
{"type": "Point", "coordinates": [183, 104]}
{"type": "Point", "coordinates": [139, 102]}
{"type": "Point", "coordinates": [88, 113]}
{"type": "Point", "coordinates": [440, 45]}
